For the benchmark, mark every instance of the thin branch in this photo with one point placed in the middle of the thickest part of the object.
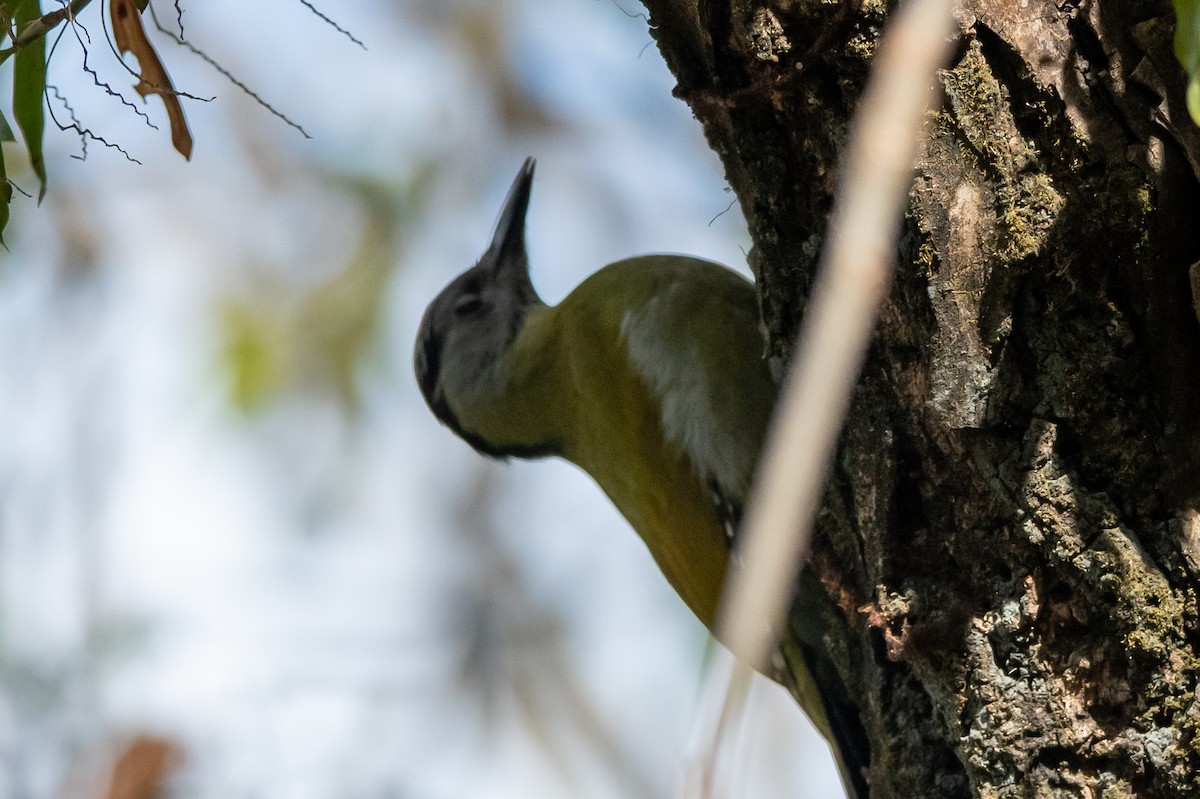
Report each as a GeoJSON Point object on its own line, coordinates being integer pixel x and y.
{"type": "Point", "coordinates": [632, 14]}
{"type": "Point", "coordinates": [76, 125]}
{"type": "Point", "coordinates": [851, 284]}
{"type": "Point", "coordinates": [109, 90]}
{"type": "Point", "coordinates": [321, 16]}
{"type": "Point", "coordinates": [164, 90]}
{"type": "Point", "coordinates": [853, 279]}
{"type": "Point", "coordinates": [206, 58]}
{"type": "Point", "coordinates": [37, 28]}
{"type": "Point", "coordinates": [83, 133]}
{"type": "Point", "coordinates": [722, 213]}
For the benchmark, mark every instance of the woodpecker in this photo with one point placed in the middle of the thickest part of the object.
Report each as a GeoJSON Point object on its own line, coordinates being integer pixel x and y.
{"type": "Point", "coordinates": [650, 377]}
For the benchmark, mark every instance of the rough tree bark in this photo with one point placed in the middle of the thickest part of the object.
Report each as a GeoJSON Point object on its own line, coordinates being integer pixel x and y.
{"type": "Point", "coordinates": [1011, 534]}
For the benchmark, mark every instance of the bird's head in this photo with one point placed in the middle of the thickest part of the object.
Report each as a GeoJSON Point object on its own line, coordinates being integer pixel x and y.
{"type": "Point", "coordinates": [472, 322]}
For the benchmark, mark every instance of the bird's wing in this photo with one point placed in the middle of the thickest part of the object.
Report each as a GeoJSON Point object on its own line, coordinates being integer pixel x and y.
{"type": "Point", "coordinates": [696, 343]}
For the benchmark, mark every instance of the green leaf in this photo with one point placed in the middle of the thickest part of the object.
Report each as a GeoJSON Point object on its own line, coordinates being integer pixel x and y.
{"type": "Point", "coordinates": [255, 354]}
{"type": "Point", "coordinates": [1187, 50]}
{"type": "Point", "coordinates": [29, 89]}
{"type": "Point", "coordinates": [6, 131]}
{"type": "Point", "coordinates": [141, 5]}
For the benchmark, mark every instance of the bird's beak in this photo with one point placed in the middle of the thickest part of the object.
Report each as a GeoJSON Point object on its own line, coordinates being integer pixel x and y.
{"type": "Point", "coordinates": [508, 242]}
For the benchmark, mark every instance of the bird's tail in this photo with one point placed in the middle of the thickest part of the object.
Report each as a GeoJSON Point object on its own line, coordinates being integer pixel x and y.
{"type": "Point", "coordinates": [814, 683]}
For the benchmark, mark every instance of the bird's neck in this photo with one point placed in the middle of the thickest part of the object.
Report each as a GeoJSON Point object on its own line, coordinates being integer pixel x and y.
{"type": "Point", "coordinates": [517, 410]}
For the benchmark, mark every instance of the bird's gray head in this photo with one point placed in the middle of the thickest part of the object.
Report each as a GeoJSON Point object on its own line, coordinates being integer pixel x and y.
{"type": "Point", "coordinates": [468, 327]}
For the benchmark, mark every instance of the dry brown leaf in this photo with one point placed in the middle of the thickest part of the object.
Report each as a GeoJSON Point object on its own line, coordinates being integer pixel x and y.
{"type": "Point", "coordinates": [130, 37]}
{"type": "Point", "coordinates": [141, 769]}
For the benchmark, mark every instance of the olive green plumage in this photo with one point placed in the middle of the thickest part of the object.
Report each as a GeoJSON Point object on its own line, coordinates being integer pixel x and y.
{"type": "Point", "coordinates": [650, 377]}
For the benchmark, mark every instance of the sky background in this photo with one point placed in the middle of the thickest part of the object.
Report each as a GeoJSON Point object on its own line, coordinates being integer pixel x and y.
{"type": "Point", "coordinates": [226, 517]}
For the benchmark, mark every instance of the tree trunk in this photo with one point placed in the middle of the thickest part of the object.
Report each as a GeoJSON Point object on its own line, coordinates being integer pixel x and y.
{"type": "Point", "coordinates": [1011, 530]}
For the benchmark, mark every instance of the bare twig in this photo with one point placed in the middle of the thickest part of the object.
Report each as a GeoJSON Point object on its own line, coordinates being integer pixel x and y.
{"type": "Point", "coordinates": [853, 279]}
{"type": "Point", "coordinates": [83, 132]}
{"type": "Point", "coordinates": [329, 21]}
{"type": "Point", "coordinates": [82, 32]}
{"type": "Point", "coordinates": [721, 711]}
{"type": "Point", "coordinates": [37, 28]}
{"type": "Point", "coordinates": [151, 85]}
{"type": "Point", "coordinates": [206, 58]}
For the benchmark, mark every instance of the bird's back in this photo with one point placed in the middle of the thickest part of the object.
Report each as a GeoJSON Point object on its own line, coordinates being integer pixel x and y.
{"type": "Point", "coordinates": [676, 448]}
{"type": "Point", "coordinates": [681, 438]}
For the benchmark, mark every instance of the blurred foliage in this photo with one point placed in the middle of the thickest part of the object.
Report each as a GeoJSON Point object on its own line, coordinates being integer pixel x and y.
{"type": "Point", "coordinates": [1187, 50]}
{"type": "Point", "coordinates": [285, 335]}
{"type": "Point", "coordinates": [255, 344]}
{"type": "Point", "coordinates": [486, 39]}
{"type": "Point", "coordinates": [516, 655]}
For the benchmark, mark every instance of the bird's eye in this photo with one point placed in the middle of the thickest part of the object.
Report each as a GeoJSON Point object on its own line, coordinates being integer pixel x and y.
{"type": "Point", "coordinates": [468, 305]}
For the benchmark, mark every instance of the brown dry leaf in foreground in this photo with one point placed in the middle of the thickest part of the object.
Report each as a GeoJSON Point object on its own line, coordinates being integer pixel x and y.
{"type": "Point", "coordinates": [130, 37]}
{"type": "Point", "coordinates": [140, 770]}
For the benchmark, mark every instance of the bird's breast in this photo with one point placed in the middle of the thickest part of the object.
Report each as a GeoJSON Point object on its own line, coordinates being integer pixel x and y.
{"type": "Point", "coordinates": [620, 440]}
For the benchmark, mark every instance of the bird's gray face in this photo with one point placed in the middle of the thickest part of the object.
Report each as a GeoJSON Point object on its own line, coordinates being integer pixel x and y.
{"type": "Point", "coordinates": [468, 327]}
